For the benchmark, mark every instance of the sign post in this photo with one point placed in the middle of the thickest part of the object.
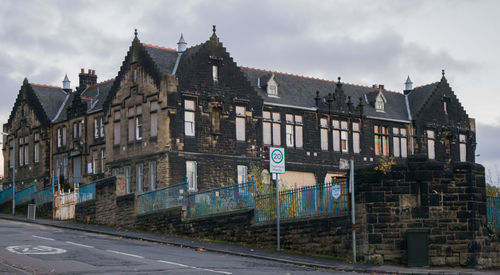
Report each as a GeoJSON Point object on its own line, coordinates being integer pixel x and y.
{"type": "Point", "coordinates": [277, 167]}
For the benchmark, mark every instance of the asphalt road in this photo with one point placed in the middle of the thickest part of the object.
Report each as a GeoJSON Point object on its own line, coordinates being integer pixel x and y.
{"type": "Point", "coordinates": [27, 248]}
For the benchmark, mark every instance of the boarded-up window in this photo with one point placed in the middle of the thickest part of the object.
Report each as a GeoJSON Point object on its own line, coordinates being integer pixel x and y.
{"type": "Point", "coordinates": [191, 175]}
{"type": "Point", "coordinates": [344, 140]}
{"type": "Point", "coordinates": [266, 128]}
{"type": "Point", "coordinates": [430, 145]}
{"type": "Point", "coordinates": [127, 178]}
{"type": "Point", "coordinates": [152, 175]}
{"type": "Point", "coordinates": [240, 123]}
{"type": "Point", "coordinates": [336, 135]}
{"type": "Point", "coordinates": [463, 148]}
{"type": "Point", "coordinates": [139, 177]}
{"type": "Point", "coordinates": [276, 129]}
{"type": "Point", "coordinates": [355, 137]}
{"type": "Point", "coordinates": [299, 141]}
{"type": "Point", "coordinates": [324, 134]}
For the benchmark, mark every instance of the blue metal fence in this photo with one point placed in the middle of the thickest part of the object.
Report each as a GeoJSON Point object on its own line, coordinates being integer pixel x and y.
{"type": "Point", "coordinates": [221, 200]}
{"type": "Point", "coordinates": [164, 198]}
{"type": "Point", "coordinates": [26, 194]}
{"type": "Point", "coordinates": [303, 202]}
{"type": "Point", "coordinates": [6, 195]}
{"type": "Point", "coordinates": [86, 192]}
{"type": "Point", "coordinates": [44, 196]}
{"type": "Point", "coordinates": [493, 210]}
{"type": "Point", "coordinates": [76, 180]}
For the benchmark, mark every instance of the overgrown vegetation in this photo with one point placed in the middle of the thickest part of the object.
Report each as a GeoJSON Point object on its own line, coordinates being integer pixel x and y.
{"type": "Point", "coordinates": [493, 182]}
{"type": "Point", "coordinates": [385, 164]}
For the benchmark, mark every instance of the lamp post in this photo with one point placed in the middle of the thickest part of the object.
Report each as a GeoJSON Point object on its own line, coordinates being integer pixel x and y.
{"type": "Point", "coordinates": [13, 174]}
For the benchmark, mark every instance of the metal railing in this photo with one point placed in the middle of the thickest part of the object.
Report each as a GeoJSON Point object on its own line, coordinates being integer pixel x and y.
{"type": "Point", "coordinates": [164, 198]}
{"type": "Point", "coordinates": [86, 192]}
{"type": "Point", "coordinates": [6, 195]}
{"type": "Point", "coordinates": [26, 194]}
{"type": "Point", "coordinates": [493, 211]}
{"type": "Point", "coordinates": [44, 196]}
{"type": "Point", "coordinates": [303, 202]}
{"type": "Point", "coordinates": [221, 200]}
{"type": "Point", "coordinates": [76, 180]}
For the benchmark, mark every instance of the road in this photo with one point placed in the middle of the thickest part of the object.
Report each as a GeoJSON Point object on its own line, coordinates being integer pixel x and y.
{"type": "Point", "coordinates": [27, 248]}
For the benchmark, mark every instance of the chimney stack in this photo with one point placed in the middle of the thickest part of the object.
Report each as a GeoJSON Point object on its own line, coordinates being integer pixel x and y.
{"type": "Point", "coordinates": [87, 79]}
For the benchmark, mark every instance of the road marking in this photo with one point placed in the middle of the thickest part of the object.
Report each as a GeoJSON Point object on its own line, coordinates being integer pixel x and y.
{"type": "Point", "coordinates": [79, 244]}
{"type": "Point", "coordinates": [126, 254]}
{"type": "Point", "coordinates": [194, 267]}
{"type": "Point", "coordinates": [40, 249]}
{"type": "Point", "coordinates": [43, 238]}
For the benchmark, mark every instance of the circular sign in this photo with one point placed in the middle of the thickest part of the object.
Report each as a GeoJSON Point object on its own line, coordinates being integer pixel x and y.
{"type": "Point", "coordinates": [277, 156]}
{"type": "Point", "coordinates": [39, 249]}
{"type": "Point", "coordinates": [336, 191]}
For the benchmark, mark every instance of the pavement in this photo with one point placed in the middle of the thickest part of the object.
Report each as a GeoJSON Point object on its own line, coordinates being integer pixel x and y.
{"type": "Point", "coordinates": [253, 252]}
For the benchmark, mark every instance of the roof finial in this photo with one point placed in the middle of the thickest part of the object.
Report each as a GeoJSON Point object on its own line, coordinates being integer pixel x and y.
{"type": "Point", "coordinates": [213, 29]}
{"type": "Point", "coordinates": [339, 79]}
{"type": "Point", "coordinates": [135, 33]}
{"type": "Point", "coordinates": [442, 72]}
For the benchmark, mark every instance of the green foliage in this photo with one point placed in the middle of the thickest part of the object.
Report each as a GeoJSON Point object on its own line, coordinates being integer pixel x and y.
{"type": "Point", "coordinates": [256, 171]}
{"type": "Point", "coordinates": [493, 182]}
{"type": "Point", "coordinates": [385, 164]}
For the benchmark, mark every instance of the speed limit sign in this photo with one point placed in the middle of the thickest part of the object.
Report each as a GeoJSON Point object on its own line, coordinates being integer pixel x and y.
{"type": "Point", "coordinates": [276, 160]}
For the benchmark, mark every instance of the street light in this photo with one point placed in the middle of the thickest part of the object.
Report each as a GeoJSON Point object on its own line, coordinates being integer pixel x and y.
{"type": "Point", "coordinates": [13, 174]}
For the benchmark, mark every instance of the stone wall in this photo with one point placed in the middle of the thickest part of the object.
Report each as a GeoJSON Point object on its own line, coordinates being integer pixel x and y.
{"type": "Point", "coordinates": [449, 201]}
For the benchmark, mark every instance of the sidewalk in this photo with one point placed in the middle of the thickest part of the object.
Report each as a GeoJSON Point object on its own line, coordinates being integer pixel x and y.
{"type": "Point", "coordinates": [249, 251]}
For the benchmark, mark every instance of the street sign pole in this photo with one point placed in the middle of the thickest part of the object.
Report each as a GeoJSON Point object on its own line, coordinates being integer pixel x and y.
{"type": "Point", "coordinates": [278, 210]}
{"type": "Point", "coordinates": [277, 167]}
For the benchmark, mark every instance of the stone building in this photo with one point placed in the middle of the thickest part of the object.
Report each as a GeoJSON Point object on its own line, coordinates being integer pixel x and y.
{"type": "Point", "coordinates": [192, 112]}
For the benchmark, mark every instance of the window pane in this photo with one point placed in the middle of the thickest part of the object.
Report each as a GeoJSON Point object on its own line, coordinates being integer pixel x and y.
{"type": "Point", "coordinates": [152, 175]}
{"type": "Point", "coordinates": [191, 175]}
{"type": "Point", "coordinates": [117, 115]}
{"type": "Point", "coordinates": [404, 148]}
{"type": "Point", "coordinates": [355, 143]}
{"type": "Point", "coordinates": [385, 145]}
{"type": "Point", "coordinates": [289, 118]}
{"type": "Point", "coordinates": [344, 141]}
{"type": "Point", "coordinates": [323, 122]}
{"type": "Point", "coordinates": [189, 123]}
{"type": "Point", "coordinates": [355, 126]}
{"type": "Point", "coordinates": [154, 105]}
{"type": "Point", "coordinates": [463, 152]}
{"type": "Point", "coordinates": [324, 139]}
{"type": "Point", "coordinates": [343, 125]}
{"type": "Point", "coordinates": [298, 137]}
{"type": "Point", "coordinates": [215, 73]}
{"type": "Point", "coordinates": [189, 105]}
{"type": "Point", "coordinates": [240, 111]}
{"type": "Point", "coordinates": [430, 134]}
{"type": "Point", "coordinates": [377, 144]}
{"type": "Point", "coordinates": [462, 138]}
{"type": "Point", "coordinates": [336, 124]}
{"type": "Point", "coordinates": [127, 179]}
{"type": "Point", "coordinates": [298, 119]}
{"type": "Point", "coordinates": [395, 131]}
{"type": "Point", "coordinates": [396, 146]}
{"type": "Point", "coordinates": [138, 127]}
{"type": "Point", "coordinates": [276, 134]}
{"type": "Point", "coordinates": [430, 149]}
{"type": "Point", "coordinates": [139, 176]}
{"type": "Point", "coordinates": [242, 174]}
{"type": "Point", "coordinates": [266, 132]}
{"type": "Point", "coordinates": [402, 131]}
{"type": "Point", "coordinates": [37, 152]}
{"type": "Point", "coordinates": [289, 135]}
{"type": "Point", "coordinates": [240, 128]}
{"type": "Point", "coordinates": [336, 140]}
{"type": "Point", "coordinates": [276, 116]}
{"type": "Point", "coordinates": [266, 115]}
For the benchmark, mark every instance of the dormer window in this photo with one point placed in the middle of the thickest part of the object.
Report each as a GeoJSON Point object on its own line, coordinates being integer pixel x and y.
{"type": "Point", "coordinates": [272, 86]}
{"type": "Point", "coordinates": [380, 102]}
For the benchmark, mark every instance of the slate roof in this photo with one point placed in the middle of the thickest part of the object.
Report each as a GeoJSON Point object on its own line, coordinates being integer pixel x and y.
{"type": "Point", "coordinates": [51, 98]}
{"type": "Point", "coordinates": [99, 92]}
{"type": "Point", "coordinates": [164, 58]}
{"type": "Point", "coordinates": [300, 91]}
{"type": "Point", "coordinates": [419, 96]}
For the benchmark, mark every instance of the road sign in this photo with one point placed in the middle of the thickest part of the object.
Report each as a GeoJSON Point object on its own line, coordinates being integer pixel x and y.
{"type": "Point", "coordinates": [39, 249]}
{"type": "Point", "coordinates": [336, 191]}
{"type": "Point", "coordinates": [276, 160]}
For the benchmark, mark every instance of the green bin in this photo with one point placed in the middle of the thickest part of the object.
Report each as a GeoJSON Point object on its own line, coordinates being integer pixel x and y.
{"type": "Point", "coordinates": [417, 241]}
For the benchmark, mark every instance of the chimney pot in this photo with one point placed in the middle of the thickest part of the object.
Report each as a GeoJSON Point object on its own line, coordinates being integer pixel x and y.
{"type": "Point", "coordinates": [83, 70]}
{"type": "Point", "coordinates": [89, 72]}
{"type": "Point", "coordinates": [381, 87]}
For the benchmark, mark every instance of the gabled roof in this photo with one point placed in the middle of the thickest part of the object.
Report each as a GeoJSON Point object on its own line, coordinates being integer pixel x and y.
{"type": "Point", "coordinates": [419, 96]}
{"type": "Point", "coordinates": [93, 96]}
{"type": "Point", "coordinates": [300, 91]}
{"type": "Point", "coordinates": [50, 97]}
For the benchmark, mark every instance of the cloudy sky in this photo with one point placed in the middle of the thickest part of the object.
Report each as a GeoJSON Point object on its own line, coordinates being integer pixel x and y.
{"type": "Point", "coordinates": [364, 42]}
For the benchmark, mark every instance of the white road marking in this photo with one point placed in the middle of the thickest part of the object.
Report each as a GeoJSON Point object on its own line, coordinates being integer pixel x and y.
{"type": "Point", "coordinates": [40, 249]}
{"type": "Point", "coordinates": [194, 267]}
{"type": "Point", "coordinates": [126, 254]}
{"type": "Point", "coordinates": [43, 238]}
{"type": "Point", "coordinates": [79, 244]}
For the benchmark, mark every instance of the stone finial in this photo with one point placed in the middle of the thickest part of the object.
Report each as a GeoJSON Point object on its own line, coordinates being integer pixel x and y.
{"type": "Point", "coordinates": [135, 33]}
{"type": "Point", "coordinates": [317, 99]}
{"type": "Point", "coordinates": [213, 29]}
{"type": "Point", "coordinates": [442, 72]}
{"type": "Point", "coordinates": [408, 84]}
